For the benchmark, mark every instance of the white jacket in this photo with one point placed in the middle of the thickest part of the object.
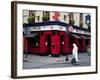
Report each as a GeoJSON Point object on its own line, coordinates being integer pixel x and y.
{"type": "Point", "coordinates": [75, 51]}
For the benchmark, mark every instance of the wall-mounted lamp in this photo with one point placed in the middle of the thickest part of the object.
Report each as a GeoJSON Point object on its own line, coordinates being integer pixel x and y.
{"type": "Point", "coordinates": [62, 43]}
{"type": "Point", "coordinates": [46, 43]}
{"type": "Point", "coordinates": [37, 44]}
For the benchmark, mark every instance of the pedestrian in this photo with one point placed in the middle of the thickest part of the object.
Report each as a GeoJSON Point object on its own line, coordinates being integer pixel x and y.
{"type": "Point", "coordinates": [66, 57]}
{"type": "Point", "coordinates": [74, 54]}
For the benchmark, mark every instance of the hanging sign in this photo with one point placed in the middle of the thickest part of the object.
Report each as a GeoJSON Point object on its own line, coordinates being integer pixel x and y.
{"type": "Point", "coordinates": [56, 16]}
{"type": "Point", "coordinates": [71, 29]}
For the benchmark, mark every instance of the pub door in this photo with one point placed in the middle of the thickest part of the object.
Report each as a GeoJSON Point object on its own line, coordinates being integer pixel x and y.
{"type": "Point", "coordinates": [55, 46]}
{"type": "Point", "coordinates": [62, 45]}
{"type": "Point", "coordinates": [49, 44]}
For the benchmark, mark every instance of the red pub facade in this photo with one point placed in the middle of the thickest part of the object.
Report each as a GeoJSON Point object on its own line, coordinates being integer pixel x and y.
{"type": "Point", "coordinates": [54, 38]}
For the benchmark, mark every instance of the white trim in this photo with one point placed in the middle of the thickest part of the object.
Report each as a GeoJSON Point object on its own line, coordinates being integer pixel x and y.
{"type": "Point", "coordinates": [21, 72]}
{"type": "Point", "coordinates": [45, 28]}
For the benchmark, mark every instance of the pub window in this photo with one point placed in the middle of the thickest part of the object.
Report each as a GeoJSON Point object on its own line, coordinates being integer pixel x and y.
{"type": "Point", "coordinates": [81, 20]}
{"type": "Point", "coordinates": [34, 41]}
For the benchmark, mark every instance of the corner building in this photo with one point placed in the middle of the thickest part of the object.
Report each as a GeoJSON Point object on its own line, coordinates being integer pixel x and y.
{"type": "Point", "coordinates": [55, 34]}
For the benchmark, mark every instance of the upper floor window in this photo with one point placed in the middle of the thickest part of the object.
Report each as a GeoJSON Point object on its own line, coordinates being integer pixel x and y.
{"type": "Point", "coordinates": [81, 20]}
{"type": "Point", "coordinates": [71, 19]}
{"type": "Point", "coordinates": [31, 18]}
{"type": "Point", "coordinates": [38, 18]}
{"type": "Point", "coordinates": [64, 17]}
{"type": "Point", "coordinates": [46, 16]}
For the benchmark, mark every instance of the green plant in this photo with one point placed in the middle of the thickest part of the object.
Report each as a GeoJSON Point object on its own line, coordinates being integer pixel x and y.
{"type": "Point", "coordinates": [72, 22]}
{"type": "Point", "coordinates": [45, 18]}
{"type": "Point", "coordinates": [31, 19]}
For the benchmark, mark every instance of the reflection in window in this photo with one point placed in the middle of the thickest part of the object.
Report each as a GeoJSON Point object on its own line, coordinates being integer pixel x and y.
{"type": "Point", "coordinates": [34, 41]}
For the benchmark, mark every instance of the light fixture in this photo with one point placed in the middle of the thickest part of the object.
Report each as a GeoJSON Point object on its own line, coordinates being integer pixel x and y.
{"type": "Point", "coordinates": [37, 44]}
{"type": "Point", "coordinates": [46, 43]}
{"type": "Point", "coordinates": [63, 43]}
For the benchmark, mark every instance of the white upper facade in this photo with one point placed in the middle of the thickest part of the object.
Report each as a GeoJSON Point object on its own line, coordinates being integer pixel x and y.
{"type": "Point", "coordinates": [62, 16]}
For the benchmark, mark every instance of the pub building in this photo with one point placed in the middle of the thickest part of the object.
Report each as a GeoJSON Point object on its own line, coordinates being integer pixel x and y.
{"type": "Point", "coordinates": [54, 37]}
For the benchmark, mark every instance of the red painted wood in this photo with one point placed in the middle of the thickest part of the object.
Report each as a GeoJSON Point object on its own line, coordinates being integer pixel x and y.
{"type": "Point", "coordinates": [43, 47]}
{"type": "Point", "coordinates": [55, 44]}
{"type": "Point", "coordinates": [83, 47]}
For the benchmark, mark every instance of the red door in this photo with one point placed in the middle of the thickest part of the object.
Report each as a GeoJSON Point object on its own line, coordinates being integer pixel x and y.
{"type": "Point", "coordinates": [55, 45]}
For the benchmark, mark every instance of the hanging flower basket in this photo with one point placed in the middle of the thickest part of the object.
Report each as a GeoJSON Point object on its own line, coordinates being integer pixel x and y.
{"type": "Point", "coordinates": [31, 19]}
{"type": "Point", "coordinates": [72, 22]}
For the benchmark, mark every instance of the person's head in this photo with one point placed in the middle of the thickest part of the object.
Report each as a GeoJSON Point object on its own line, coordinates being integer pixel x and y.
{"type": "Point", "coordinates": [74, 44]}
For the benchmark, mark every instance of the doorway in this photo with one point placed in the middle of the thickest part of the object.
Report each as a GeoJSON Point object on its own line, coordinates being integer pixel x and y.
{"type": "Point", "coordinates": [49, 43]}
{"type": "Point", "coordinates": [61, 44]}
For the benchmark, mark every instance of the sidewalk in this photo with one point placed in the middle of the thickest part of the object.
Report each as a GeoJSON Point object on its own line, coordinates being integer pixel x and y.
{"type": "Point", "coordinates": [36, 62]}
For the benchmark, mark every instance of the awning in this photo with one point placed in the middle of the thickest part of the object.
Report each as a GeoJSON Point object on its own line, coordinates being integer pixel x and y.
{"type": "Point", "coordinates": [79, 36]}
{"type": "Point", "coordinates": [31, 35]}
{"type": "Point", "coordinates": [76, 36]}
{"type": "Point", "coordinates": [85, 37]}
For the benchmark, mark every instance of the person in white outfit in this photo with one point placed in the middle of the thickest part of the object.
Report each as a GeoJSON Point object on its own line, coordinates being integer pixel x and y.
{"type": "Point", "coordinates": [75, 52]}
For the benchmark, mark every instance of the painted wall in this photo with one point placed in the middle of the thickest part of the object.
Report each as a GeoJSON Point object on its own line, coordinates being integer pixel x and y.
{"type": "Point", "coordinates": [77, 18]}
{"type": "Point", "coordinates": [61, 17]}
{"type": "Point", "coordinates": [25, 16]}
{"type": "Point", "coordinates": [38, 13]}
